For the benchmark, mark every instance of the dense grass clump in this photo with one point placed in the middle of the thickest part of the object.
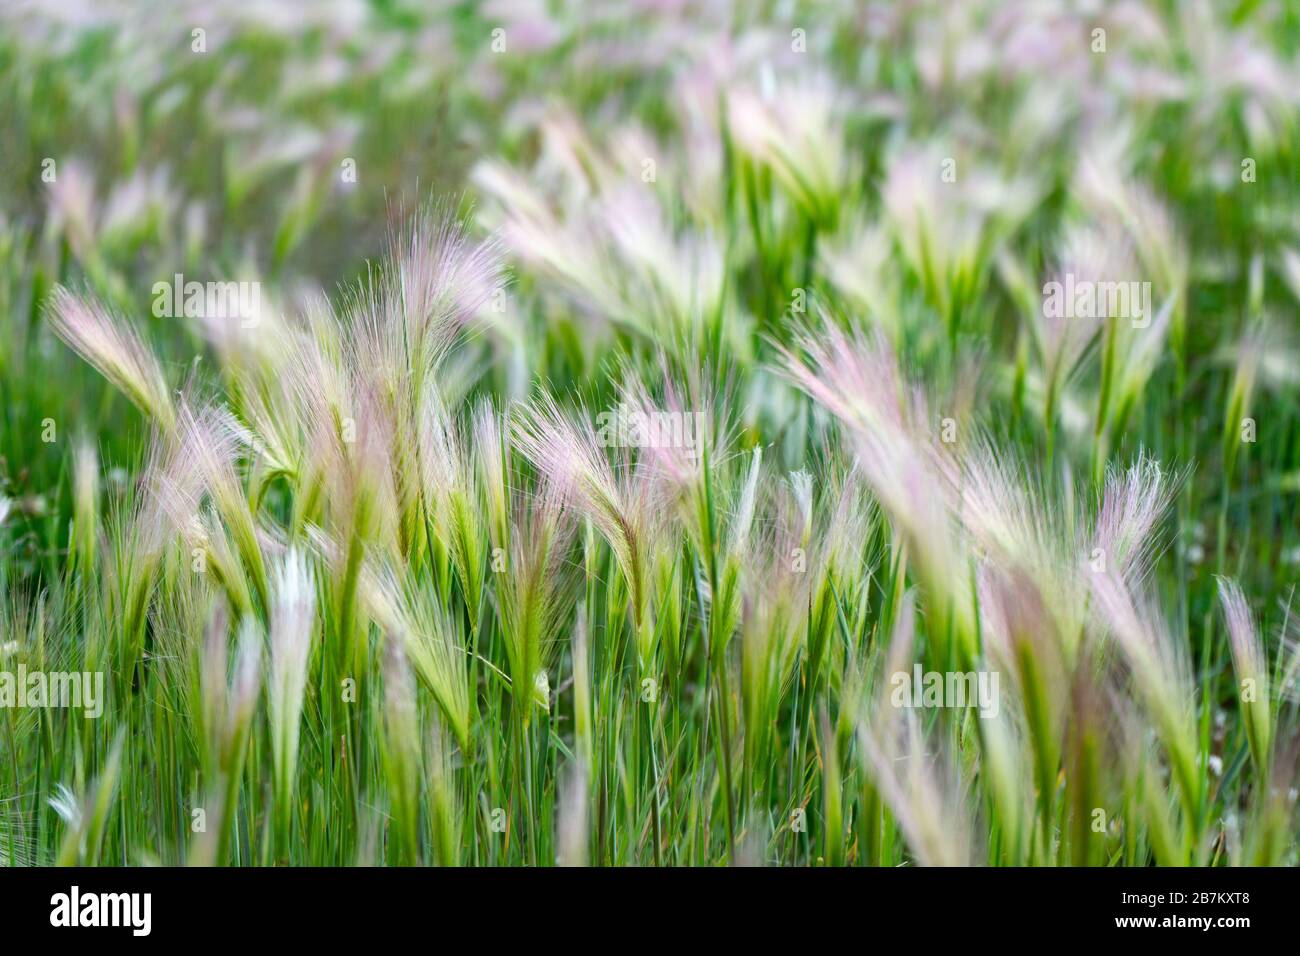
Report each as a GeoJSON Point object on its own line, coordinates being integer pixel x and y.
{"type": "Point", "coordinates": [800, 435]}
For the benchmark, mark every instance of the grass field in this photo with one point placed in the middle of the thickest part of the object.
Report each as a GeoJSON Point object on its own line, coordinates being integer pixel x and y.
{"type": "Point", "coordinates": [650, 433]}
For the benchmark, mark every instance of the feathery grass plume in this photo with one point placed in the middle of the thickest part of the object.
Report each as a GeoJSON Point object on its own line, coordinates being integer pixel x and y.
{"type": "Point", "coordinates": [1029, 538]}
{"type": "Point", "coordinates": [682, 444]}
{"type": "Point", "coordinates": [611, 246]}
{"type": "Point", "coordinates": [1160, 674]}
{"type": "Point", "coordinates": [293, 399]}
{"type": "Point", "coordinates": [210, 440]}
{"type": "Point", "coordinates": [835, 542]}
{"type": "Point", "coordinates": [138, 531]}
{"type": "Point", "coordinates": [437, 277]}
{"type": "Point", "coordinates": [1003, 505]}
{"type": "Point", "coordinates": [300, 415]}
{"type": "Point", "coordinates": [680, 277]}
{"type": "Point", "coordinates": [67, 807]}
{"type": "Point", "coordinates": [795, 134]}
{"type": "Point", "coordinates": [134, 207]}
{"type": "Point", "coordinates": [678, 437]}
{"type": "Point", "coordinates": [293, 624]}
{"type": "Point", "coordinates": [858, 380]}
{"type": "Point", "coordinates": [211, 549]}
{"type": "Point", "coordinates": [1126, 533]}
{"type": "Point", "coordinates": [289, 393]}
{"type": "Point", "coordinates": [383, 392]}
{"type": "Point", "coordinates": [451, 494]}
{"type": "Point", "coordinates": [565, 252]}
{"type": "Point", "coordinates": [950, 229]}
{"type": "Point", "coordinates": [1097, 262]}
{"type": "Point", "coordinates": [1103, 188]}
{"type": "Point", "coordinates": [623, 507]}
{"type": "Point", "coordinates": [183, 476]}
{"type": "Point", "coordinates": [362, 512]}
{"type": "Point", "coordinates": [279, 446]}
{"type": "Point", "coordinates": [249, 345]}
{"type": "Point", "coordinates": [360, 474]}
{"type": "Point", "coordinates": [115, 350]}
{"type": "Point", "coordinates": [800, 485]}
{"type": "Point", "coordinates": [1251, 665]}
{"type": "Point", "coordinates": [411, 614]}
{"type": "Point", "coordinates": [1022, 642]}
{"type": "Point", "coordinates": [403, 321]}
{"type": "Point", "coordinates": [1033, 615]}
{"type": "Point", "coordinates": [531, 597]}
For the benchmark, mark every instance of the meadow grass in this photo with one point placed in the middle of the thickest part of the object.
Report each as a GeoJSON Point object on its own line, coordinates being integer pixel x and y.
{"type": "Point", "coordinates": [372, 581]}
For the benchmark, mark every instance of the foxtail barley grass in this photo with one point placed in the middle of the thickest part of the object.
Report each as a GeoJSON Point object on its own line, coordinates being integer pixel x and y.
{"type": "Point", "coordinates": [371, 577]}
